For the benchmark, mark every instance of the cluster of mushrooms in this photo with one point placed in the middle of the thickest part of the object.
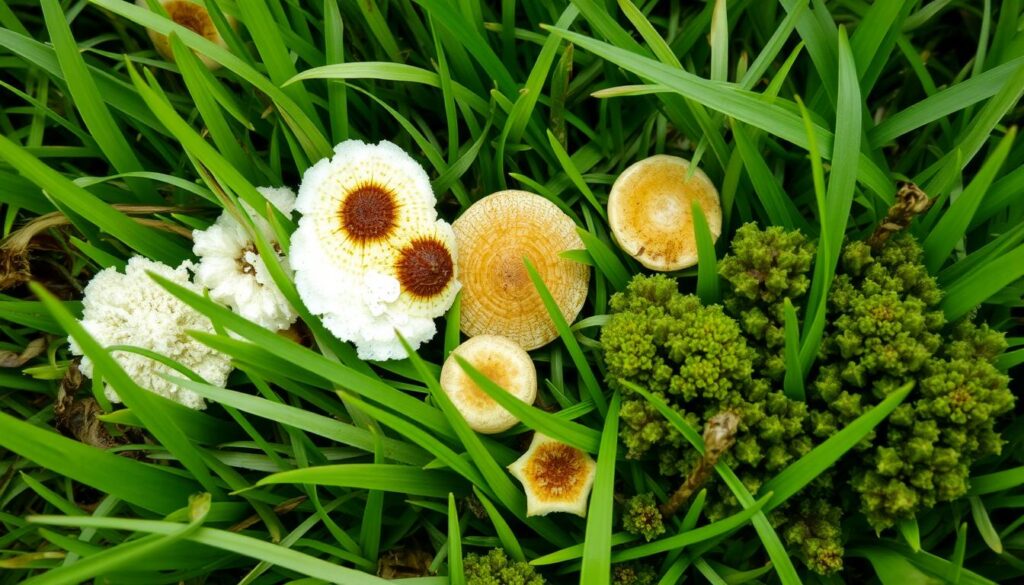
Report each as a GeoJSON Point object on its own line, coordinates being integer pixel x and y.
{"type": "Point", "coordinates": [650, 211]}
{"type": "Point", "coordinates": [357, 216]}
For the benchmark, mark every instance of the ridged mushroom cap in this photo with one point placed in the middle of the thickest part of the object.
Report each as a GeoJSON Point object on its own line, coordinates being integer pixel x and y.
{"type": "Point", "coordinates": [649, 210]}
{"type": "Point", "coordinates": [193, 16]}
{"type": "Point", "coordinates": [498, 298]}
{"type": "Point", "coordinates": [504, 363]}
{"type": "Point", "coordinates": [556, 477]}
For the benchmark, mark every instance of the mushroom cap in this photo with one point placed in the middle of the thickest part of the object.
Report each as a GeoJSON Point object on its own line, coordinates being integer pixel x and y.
{"type": "Point", "coordinates": [493, 237]}
{"type": "Point", "coordinates": [649, 209]}
{"type": "Point", "coordinates": [425, 267]}
{"type": "Point", "coordinates": [506, 364]}
{"type": "Point", "coordinates": [556, 477]}
{"type": "Point", "coordinates": [193, 16]}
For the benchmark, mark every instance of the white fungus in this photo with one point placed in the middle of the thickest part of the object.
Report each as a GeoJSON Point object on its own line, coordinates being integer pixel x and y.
{"type": "Point", "coordinates": [369, 254]}
{"type": "Point", "coordinates": [130, 308]}
{"type": "Point", "coordinates": [233, 270]}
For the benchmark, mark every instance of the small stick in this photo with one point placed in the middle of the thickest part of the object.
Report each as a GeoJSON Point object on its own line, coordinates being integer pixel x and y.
{"type": "Point", "coordinates": [719, 435]}
{"type": "Point", "coordinates": [910, 201]}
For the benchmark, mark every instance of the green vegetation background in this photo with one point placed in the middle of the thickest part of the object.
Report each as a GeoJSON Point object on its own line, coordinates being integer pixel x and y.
{"type": "Point", "coordinates": [806, 115]}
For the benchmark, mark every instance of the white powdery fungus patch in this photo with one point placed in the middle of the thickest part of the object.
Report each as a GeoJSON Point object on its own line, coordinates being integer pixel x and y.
{"type": "Point", "coordinates": [132, 309]}
{"type": "Point", "coordinates": [233, 270]}
{"type": "Point", "coordinates": [369, 254]}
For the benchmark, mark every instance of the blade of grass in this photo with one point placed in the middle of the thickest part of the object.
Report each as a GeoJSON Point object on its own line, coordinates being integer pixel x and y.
{"type": "Point", "coordinates": [568, 432]}
{"type": "Point", "coordinates": [597, 543]}
{"type": "Point", "coordinates": [401, 479]}
{"type": "Point", "coordinates": [575, 352]}
{"type": "Point", "coordinates": [455, 572]}
{"type": "Point", "coordinates": [954, 223]}
{"type": "Point", "coordinates": [708, 285]}
{"type": "Point", "coordinates": [146, 486]}
{"type": "Point", "coordinates": [238, 544]}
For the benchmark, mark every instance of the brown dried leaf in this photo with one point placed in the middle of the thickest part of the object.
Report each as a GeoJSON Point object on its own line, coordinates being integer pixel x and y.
{"type": "Point", "coordinates": [403, 562]}
{"type": "Point", "coordinates": [9, 359]}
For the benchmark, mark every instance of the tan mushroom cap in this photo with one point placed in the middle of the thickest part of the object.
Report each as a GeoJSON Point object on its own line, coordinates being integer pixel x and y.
{"type": "Point", "coordinates": [498, 297]}
{"type": "Point", "coordinates": [193, 16]}
{"type": "Point", "coordinates": [650, 214]}
{"type": "Point", "coordinates": [504, 363]}
{"type": "Point", "coordinates": [556, 477]}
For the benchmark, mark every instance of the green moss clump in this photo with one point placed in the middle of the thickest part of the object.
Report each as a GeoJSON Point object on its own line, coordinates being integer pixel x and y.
{"type": "Point", "coordinates": [641, 516]}
{"type": "Point", "coordinates": [496, 568]}
{"type": "Point", "coordinates": [763, 269]}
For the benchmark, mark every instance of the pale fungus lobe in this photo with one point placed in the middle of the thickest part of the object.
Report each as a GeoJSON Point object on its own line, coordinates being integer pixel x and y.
{"type": "Point", "coordinates": [650, 211]}
{"type": "Point", "coordinates": [504, 363]}
{"type": "Point", "coordinates": [494, 236]}
{"type": "Point", "coordinates": [193, 16]}
{"type": "Point", "coordinates": [369, 254]}
{"type": "Point", "coordinates": [556, 477]}
{"type": "Point", "coordinates": [234, 271]}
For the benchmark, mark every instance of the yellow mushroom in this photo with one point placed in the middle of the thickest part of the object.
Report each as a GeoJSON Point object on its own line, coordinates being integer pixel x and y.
{"type": "Point", "coordinates": [193, 16]}
{"type": "Point", "coordinates": [493, 237]}
{"type": "Point", "coordinates": [649, 209]}
{"type": "Point", "coordinates": [504, 363]}
{"type": "Point", "coordinates": [556, 477]}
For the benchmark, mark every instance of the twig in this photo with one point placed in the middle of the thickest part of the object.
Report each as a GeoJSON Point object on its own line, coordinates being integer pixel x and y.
{"type": "Point", "coordinates": [719, 435]}
{"type": "Point", "coordinates": [910, 202]}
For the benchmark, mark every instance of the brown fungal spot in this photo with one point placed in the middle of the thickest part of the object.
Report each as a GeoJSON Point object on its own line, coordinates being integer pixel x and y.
{"type": "Point", "coordinates": [556, 471]}
{"type": "Point", "coordinates": [425, 267]}
{"type": "Point", "coordinates": [192, 16]}
{"type": "Point", "coordinates": [369, 213]}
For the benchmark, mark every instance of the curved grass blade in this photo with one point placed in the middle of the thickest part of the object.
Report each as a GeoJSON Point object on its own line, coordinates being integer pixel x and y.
{"type": "Point", "coordinates": [566, 431]}
{"type": "Point", "coordinates": [388, 477]}
{"type": "Point", "coordinates": [239, 544]}
{"type": "Point", "coordinates": [597, 544]}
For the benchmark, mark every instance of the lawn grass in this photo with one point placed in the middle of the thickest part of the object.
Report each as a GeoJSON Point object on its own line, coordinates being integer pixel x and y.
{"type": "Point", "coordinates": [319, 467]}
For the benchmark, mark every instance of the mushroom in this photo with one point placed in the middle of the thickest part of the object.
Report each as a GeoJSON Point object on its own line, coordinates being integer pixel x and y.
{"type": "Point", "coordinates": [556, 477]}
{"type": "Point", "coordinates": [370, 255]}
{"type": "Point", "coordinates": [649, 209]}
{"type": "Point", "coordinates": [193, 16]}
{"type": "Point", "coordinates": [493, 236]}
{"type": "Point", "coordinates": [504, 363]}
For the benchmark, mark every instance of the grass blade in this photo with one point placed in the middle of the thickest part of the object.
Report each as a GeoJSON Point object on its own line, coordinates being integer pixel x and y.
{"type": "Point", "coordinates": [597, 545]}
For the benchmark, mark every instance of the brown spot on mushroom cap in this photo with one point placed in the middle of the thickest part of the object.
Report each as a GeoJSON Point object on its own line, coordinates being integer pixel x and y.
{"type": "Point", "coordinates": [193, 16]}
{"type": "Point", "coordinates": [556, 477]}
{"type": "Point", "coordinates": [424, 267]}
{"type": "Point", "coordinates": [649, 210]}
{"type": "Point", "coordinates": [557, 472]}
{"type": "Point", "coordinates": [493, 236]}
{"type": "Point", "coordinates": [504, 363]}
{"type": "Point", "coordinates": [368, 213]}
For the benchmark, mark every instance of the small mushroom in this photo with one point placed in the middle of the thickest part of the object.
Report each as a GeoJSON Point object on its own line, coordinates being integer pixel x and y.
{"type": "Point", "coordinates": [506, 364]}
{"type": "Point", "coordinates": [493, 237]}
{"type": "Point", "coordinates": [649, 209]}
{"type": "Point", "coordinates": [193, 16]}
{"type": "Point", "coordinates": [556, 477]}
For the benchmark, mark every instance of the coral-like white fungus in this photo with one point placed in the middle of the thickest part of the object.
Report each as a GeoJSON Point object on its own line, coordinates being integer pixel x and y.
{"type": "Point", "coordinates": [132, 309]}
{"type": "Point", "coordinates": [369, 254]}
{"type": "Point", "coordinates": [233, 270]}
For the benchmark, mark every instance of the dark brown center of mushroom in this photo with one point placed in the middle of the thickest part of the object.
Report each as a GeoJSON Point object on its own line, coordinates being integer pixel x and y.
{"type": "Point", "coordinates": [191, 16]}
{"type": "Point", "coordinates": [425, 267]}
{"type": "Point", "coordinates": [369, 213]}
{"type": "Point", "coordinates": [556, 470]}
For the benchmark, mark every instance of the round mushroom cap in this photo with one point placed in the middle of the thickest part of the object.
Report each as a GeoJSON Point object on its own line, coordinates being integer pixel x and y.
{"type": "Point", "coordinates": [498, 297]}
{"type": "Point", "coordinates": [649, 209]}
{"type": "Point", "coordinates": [504, 363]}
{"type": "Point", "coordinates": [193, 16]}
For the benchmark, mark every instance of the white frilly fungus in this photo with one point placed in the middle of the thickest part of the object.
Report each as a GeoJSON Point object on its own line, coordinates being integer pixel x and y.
{"type": "Point", "coordinates": [233, 270]}
{"type": "Point", "coordinates": [130, 308]}
{"type": "Point", "coordinates": [556, 477]}
{"type": "Point", "coordinates": [369, 254]}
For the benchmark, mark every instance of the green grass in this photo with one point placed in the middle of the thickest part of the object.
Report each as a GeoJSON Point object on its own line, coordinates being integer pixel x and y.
{"type": "Point", "coordinates": [318, 466]}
